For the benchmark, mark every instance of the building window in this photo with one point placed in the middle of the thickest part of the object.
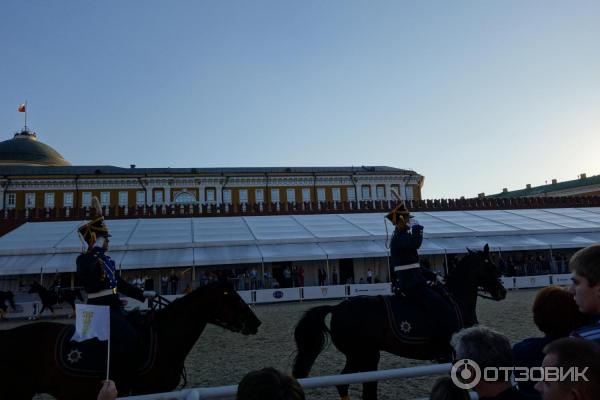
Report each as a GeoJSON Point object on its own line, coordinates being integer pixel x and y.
{"type": "Point", "coordinates": [320, 194]}
{"type": "Point", "coordinates": [274, 195]}
{"type": "Point", "coordinates": [409, 193]}
{"type": "Point", "coordinates": [260, 195]}
{"type": "Point", "coordinates": [351, 192]}
{"type": "Point", "coordinates": [380, 192]}
{"type": "Point", "coordinates": [49, 200]}
{"type": "Point", "coordinates": [336, 194]}
{"type": "Point", "coordinates": [158, 197]}
{"type": "Point", "coordinates": [30, 200]}
{"type": "Point", "coordinates": [366, 192]}
{"type": "Point", "coordinates": [210, 195]}
{"type": "Point", "coordinates": [227, 196]}
{"type": "Point", "coordinates": [11, 200]}
{"type": "Point", "coordinates": [306, 195]}
{"type": "Point", "coordinates": [140, 197]}
{"type": "Point", "coordinates": [123, 199]}
{"type": "Point", "coordinates": [68, 199]}
{"type": "Point", "coordinates": [291, 195]}
{"type": "Point", "coordinates": [86, 199]}
{"type": "Point", "coordinates": [243, 196]}
{"type": "Point", "coordinates": [105, 198]}
{"type": "Point", "coordinates": [395, 188]}
{"type": "Point", "coordinates": [185, 198]}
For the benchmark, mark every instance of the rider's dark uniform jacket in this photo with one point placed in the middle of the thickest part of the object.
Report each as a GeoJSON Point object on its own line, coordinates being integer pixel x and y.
{"type": "Point", "coordinates": [97, 274]}
{"type": "Point", "coordinates": [404, 258]}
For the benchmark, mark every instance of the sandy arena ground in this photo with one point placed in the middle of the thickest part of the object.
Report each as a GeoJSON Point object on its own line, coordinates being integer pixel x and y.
{"type": "Point", "coordinates": [236, 354]}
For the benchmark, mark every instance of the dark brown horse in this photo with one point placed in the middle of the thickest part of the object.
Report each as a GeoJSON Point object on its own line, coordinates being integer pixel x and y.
{"type": "Point", "coordinates": [360, 327]}
{"type": "Point", "coordinates": [50, 298]}
{"type": "Point", "coordinates": [6, 297]}
{"type": "Point", "coordinates": [28, 365]}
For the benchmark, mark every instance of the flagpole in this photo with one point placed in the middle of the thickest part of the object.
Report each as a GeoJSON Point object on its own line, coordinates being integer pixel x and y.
{"type": "Point", "coordinates": [108, 350]}
{"type": "Point", "coordinates": [25, 114]}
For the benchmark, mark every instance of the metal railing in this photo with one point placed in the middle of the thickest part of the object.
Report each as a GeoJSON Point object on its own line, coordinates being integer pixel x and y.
{"type": "Point", "coordinates": [229, 392]}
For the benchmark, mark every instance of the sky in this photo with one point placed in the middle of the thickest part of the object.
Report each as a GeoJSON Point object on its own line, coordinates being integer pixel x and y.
{"type": "Point", "coordinates": [474, 95]}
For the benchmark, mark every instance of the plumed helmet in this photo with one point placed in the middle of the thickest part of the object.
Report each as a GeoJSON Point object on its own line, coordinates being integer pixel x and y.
{"type": "Point", "coordinates": [399, 215]}
{"type": "Point", "coordinates": [96, 227]}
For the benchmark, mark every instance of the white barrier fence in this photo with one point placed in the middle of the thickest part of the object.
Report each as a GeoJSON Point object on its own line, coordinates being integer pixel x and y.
{"type": "Point", "coordinates": [26, 309]}
{"type": "Point", "coordinates": [228, 392]}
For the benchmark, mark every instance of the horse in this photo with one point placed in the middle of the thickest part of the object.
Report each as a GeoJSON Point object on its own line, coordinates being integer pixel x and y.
{"type": "Point", "coordinates": [29, 365]}
{"type": "Point", "coordinates": [361, 327]}
{"type": "Point", "coordinates": [6, 297]}
{"type": "Point", "coordinates": [51, 298]}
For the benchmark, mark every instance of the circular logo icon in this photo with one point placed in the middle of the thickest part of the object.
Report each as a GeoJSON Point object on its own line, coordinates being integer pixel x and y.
{"type": "Point", "coordinates": [278, 294]}
{"type": "Point", "coordinates": [465, 373]}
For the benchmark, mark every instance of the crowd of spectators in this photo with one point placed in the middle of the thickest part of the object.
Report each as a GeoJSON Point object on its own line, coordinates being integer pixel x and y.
{"type": "Point", "coordinates": [569, 321]}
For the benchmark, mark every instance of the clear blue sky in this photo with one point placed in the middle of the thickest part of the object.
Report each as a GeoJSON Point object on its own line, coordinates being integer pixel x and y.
{"type": "Point", "coordinates": [475, 95]}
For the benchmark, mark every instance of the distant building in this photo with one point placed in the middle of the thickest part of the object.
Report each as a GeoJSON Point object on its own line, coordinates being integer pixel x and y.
{"type": "Point", "coordinates": [35, 176]}
{"type": "Point", "coordinates": [584, 186]}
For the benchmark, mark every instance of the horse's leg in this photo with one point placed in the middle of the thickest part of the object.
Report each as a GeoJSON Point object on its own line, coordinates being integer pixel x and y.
{"type": "Point", "coordinates": [352, 365]}
{"type": "Point", "coordinates": [369, 362]}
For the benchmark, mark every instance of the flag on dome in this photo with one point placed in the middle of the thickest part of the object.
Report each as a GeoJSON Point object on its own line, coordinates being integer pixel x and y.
{"type": "Point", "coordinates": [21, 108]}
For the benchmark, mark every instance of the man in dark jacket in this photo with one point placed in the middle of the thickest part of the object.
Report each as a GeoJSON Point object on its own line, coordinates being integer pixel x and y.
{"type": "Point", "coordinates": [413, 282]}
{"type": "Point", "coordinates": [408, 275]}
{"type": "Point", "coordinates": [98, 275]}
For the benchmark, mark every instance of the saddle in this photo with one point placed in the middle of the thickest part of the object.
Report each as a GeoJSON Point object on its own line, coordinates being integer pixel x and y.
{"type": "Point", "coordinates": [87, 359]}
{"type": "Point", "coordinates": [422, 319]}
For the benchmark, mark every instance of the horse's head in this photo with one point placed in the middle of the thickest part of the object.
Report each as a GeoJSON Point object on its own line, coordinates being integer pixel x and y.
{"type": "Point", "coordinates": [485, 273]}
{"type": "Point", "coordinates": [230, 311]}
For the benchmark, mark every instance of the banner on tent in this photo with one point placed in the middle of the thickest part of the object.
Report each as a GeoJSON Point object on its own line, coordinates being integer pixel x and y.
{"type": "Point", "coordinates": [324, 292]}
{"type": "Point", "coordinates": [532, 281]}
{"type": "Point", "coordinates": [370, 289]}
{"type": "Point", "coordinates": [561, 279]}
{"type": "Point", "coordinates": [508, 283]}
{"type": "Point", "coordinates": [277, 295]}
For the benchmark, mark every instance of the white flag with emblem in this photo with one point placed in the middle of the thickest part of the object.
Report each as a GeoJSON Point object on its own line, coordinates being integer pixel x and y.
{"type": "Point", "coordinates": [91, 322]}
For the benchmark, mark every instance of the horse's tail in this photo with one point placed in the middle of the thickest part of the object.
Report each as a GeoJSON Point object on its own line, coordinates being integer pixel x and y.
{"type": "Point", "coordinates": [311, 336]}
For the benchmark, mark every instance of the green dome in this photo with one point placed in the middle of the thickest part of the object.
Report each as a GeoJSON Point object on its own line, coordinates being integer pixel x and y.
{"type": "Point", "coordinates": [25, 149]}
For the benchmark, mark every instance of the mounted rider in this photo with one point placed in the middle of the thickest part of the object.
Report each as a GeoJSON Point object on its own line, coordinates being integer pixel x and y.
{"type": "Point", "coordinates": [407, 273]}
{"type": "Point", "coordinates": [98, 275]}
{"type": "Point", "coordinates": [414, 283]}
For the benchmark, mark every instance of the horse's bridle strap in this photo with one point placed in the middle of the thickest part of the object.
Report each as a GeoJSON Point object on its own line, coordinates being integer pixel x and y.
{"type": "Point", "coordinates": [406, 267]}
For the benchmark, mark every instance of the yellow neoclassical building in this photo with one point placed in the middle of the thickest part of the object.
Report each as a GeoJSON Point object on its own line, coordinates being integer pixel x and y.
{"type": "Point", "coordinates": [35, 176]}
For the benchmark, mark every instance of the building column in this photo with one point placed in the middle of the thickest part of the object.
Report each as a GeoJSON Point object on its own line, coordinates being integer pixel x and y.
{"type": "Point", "coordinates": [149, 195]}
{"type": "Point", "coordinates": [373, 192]}
{"type": "Point", "coordinates": [2, 190]}
{"type": "Point", "coordinates": [388, 191]}
{"type": "Point", "coordinates": [219, 194]}
{"type": "Point", "coordinates": [402, 191]}
{"type": "Point", "coordinates": [167, 194]}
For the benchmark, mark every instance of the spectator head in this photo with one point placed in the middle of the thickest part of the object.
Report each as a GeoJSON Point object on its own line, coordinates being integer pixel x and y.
{"type": "Point", "coordinates": [269, 384]}
{"type": "Point", "coordinates": [445, 389]}
{"type": "Point", "coordinates": [585, 268]}
{"type": "Point", "coordinates": [568, 353]}
{"type": "Point", "coordinates": [555, 312]}
{"type": "Point", "coordinates": [485, 346]}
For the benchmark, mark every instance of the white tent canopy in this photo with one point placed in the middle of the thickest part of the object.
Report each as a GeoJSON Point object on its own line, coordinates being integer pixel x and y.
{"type": "Point", "coordinates": [173, 242]}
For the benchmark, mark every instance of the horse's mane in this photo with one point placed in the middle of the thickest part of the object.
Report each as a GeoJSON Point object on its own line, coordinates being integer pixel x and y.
{"type": "Point", "coordinates": [184, 302]}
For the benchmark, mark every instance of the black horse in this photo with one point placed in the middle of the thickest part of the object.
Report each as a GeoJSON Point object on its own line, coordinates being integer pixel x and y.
{"type": "Point", "coordinates": [29, 365]}
{"type": "Point", "coordinates": [360, 327]}
{"type": "Point", "coordinates": [51, 298]}
{"type": "Point", "coordinates": [6, 297]}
